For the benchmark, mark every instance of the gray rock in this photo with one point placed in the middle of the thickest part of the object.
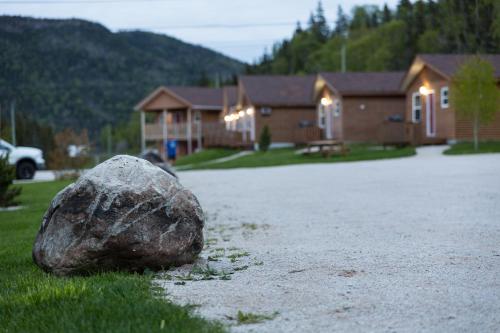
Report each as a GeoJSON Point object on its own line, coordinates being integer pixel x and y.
{"type": "Point", "coordinates": [124, 214]}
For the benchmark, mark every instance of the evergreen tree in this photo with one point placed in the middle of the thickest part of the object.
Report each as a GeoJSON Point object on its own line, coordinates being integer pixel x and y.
{"type": "Point", "coordinates": [404, 11]}
{"type": "Point", "coordinates": [7, 176]}
{"type": "Point", "coordinates": [386, 14]}
{"type": "Point", "coordinates": [375, 18]}
{"type": "Point", "coordinates": [419, 18]}
{"type": "Point", "coordinates": [204, 80]}
{"type": "Point", "coordinates": [265, 139]}
{"type": "Point", "coordinates": [342, 22]}
{"type": "Point", "coordinates": [360, 18]}
{"type": "Point", "coordinates": [318, 24]}
{"type": "Point", "coordinates": [298, 28]}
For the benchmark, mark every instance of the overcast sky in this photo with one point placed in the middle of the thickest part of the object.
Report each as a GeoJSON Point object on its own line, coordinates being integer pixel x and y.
{"type": "Point", "coordinates": [239, 28]}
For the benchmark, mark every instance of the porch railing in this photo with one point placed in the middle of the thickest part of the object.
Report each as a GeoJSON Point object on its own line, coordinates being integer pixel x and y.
{"type": "Point", "coordinates": [174, 131]}
{"type": "Point", "coordinates": [215, 134]}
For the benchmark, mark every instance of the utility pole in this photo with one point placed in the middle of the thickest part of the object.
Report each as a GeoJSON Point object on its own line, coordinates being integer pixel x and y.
{"type": "Point", "coordinates": [0, 120]}
{"type": "Point", "coordinates": [13, 122]}
{"type": "Point", "coordinates": [343, 58]}
{"type": "Point", "coordinates": [217, 80]}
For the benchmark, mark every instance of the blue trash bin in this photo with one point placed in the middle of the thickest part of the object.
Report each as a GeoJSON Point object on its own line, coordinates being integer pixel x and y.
{"type": "Point", "coordinates": [171, 149]}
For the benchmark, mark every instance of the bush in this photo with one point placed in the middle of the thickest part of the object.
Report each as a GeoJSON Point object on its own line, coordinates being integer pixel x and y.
{"type": "Point", "coordinates": [7, 176]}
{"type": "Point", "coordinates": [265, 139]}
{"type": "Point", "coordinates": [59, 158]}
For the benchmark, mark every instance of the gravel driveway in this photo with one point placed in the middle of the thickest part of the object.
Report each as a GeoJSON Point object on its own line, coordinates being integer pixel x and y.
{"type": "Point", "coordinates": [404, 245]}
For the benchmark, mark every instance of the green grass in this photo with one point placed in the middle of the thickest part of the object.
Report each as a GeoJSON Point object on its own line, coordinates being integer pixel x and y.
{"type": "Point", "coordinates": [244, 318]}
{"type": "Point", "coordinates": [205, 155]}
{"type": "Point", "coordinates": [287, 156]}
{"type": "Point", "coordinates": [468, 148]}
{"type": "Point", "coordinates": [33, 301]}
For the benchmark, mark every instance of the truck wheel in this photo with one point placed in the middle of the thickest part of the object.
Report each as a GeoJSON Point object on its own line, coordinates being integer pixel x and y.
{"type": "Point", "coordinates": [25, 170]}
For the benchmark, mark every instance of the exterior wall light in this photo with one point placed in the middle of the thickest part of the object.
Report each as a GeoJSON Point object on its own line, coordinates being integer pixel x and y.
{"type": "Point", "coordinates": [423, 90]}
{"type": "Point", "coordinates": [326, 101]}
{"type": "Point", "coordinates": [249, 111]}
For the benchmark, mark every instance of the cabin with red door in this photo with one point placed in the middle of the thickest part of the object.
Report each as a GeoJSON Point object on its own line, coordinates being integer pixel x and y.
{"type": "Point", "coordinates": [430, 119]}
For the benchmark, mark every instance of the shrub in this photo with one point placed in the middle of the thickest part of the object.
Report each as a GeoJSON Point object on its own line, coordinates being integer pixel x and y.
{"type": "Point", "coordinates": [7, 176]}
{"type": "Point", "coordinates": [59, 158]}
{"type": "Point", "coordinates": [265, 139]}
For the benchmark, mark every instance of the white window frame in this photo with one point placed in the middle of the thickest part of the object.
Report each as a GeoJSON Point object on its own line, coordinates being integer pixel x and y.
{"type": "Point", "coordinates": [414, 107]}
{"type": "Point", "coordinates": [447, 104]}
{"type": "Point", "coordinates": [321, 115]}
{"type": "Point", "coordinates": [266, 111]}
{"type": "Point", "coordinates": [428, 106]}
{"type": "Point", "coordinates": [337, 109]}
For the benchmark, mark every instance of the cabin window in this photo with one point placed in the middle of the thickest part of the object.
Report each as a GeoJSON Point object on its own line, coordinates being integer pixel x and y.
{"type": "Point", "coordinates": [197, 117]}
{"type": "Point", "coordinates": [265, 111]}
{"type": "Point", "coordinates": [416, 110]}
{"type": "Point", "coordinates": [321, 116]}
{"type": "Point", "coordinates": [444, 98]}
{"type": "Point", "coordinates": [336, 110]}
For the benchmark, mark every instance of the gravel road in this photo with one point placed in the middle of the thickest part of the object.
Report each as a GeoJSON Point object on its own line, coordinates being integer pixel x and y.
{"type": "Point", "coordinates": [404, 245]}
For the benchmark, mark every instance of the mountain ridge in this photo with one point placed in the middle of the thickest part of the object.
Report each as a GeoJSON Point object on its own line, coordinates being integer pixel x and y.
{"type": "Point", "coordinates": [79, 74]}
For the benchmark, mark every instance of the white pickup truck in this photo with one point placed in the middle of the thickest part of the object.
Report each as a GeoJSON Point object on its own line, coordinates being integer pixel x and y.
{"type": "Point", "coordinates": [26, 159]}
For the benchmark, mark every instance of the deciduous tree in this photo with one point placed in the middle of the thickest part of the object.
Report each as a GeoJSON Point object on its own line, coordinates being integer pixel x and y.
{"type": "Point", "coordinates": [474, 94]}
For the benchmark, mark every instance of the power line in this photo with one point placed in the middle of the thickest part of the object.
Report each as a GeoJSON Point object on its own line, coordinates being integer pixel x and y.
{"type": "Point", "coordinates": [33, 2]}
{"type": "Point", "coordinates": [223, 26]}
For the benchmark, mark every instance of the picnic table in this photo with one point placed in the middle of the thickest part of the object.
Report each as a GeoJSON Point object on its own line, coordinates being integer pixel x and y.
{"type": "Point", "coordinates": [327, 147]}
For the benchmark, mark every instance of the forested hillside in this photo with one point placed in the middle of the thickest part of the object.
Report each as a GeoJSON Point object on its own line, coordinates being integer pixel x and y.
{"type": "Point", "coordinates": [378, 39]}
{"type": "Point", "coordinates": [78, 74]}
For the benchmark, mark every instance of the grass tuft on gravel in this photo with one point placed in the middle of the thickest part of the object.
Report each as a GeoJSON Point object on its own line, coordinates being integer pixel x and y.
{"type": "Point", "coordinates": [462, 148]}
{"type": "Point", "coordinates": [244, 318]}
{"type": "Point", "coordinates": [33, 301]}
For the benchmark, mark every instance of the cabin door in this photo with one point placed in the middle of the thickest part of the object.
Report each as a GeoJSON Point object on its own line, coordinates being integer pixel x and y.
{"type": "Point", "coordinates": [329, 122]}
{"type": "Point", "coordinates": [430, 109]}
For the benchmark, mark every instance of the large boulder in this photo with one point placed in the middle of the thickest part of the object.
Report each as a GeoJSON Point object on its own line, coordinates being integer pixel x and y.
{"type": "Point", "coordinates": [124, 214]}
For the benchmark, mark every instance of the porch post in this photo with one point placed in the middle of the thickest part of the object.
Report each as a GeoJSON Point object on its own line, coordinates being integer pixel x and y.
{"type": "Point", "coordinates": [164, 132]}
{"type": "Point", "coordinates": [188, 132]}
{"type": "Point", "coordinates": [244, 127]}
{"type": "Point", "coordinates": [198, 122]}
{"type": "Point", "coordinates": [143, 130]}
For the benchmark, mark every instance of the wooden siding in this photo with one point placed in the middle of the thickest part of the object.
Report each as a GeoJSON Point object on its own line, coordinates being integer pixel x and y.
{"type": "Point", "coordinates": [445, 118]}
{"type": "Point", "coordinates": [486, 132]}
{"type": "Point", "coordinates": [449, 126]}
{"type": "Point", "coordinates": [369, 124]}
{"type": "Point", "coordinates": [163, 101]}
{"type": "Point", "coordinates": [284, 124]}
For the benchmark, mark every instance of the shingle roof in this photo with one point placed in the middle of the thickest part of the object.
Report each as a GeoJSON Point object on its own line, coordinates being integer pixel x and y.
{"type": "Point", "coordinates": [448, 64]}
{"type": "Point", "coordinates": [445, 65]}
{"type": "Point", "coordinates": [279, 90]}
{"type": "Point", "coordinates": [365, 83]}
{"type": "Point", "coordinates": [231, 95]}
{"type": "Point", "coordinates": [199, 96]}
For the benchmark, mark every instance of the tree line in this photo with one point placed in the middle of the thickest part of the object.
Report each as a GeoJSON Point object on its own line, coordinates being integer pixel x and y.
{"type": "Point", "coordinates": [376, 39]}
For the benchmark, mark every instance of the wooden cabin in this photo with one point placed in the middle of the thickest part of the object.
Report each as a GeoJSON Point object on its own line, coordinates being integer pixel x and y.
{"type": "Point", "coordinates": [430, 117]}
{"type": "Point", "coordinates": [189, 115]}
{"type": "Point", "coordinates": [283, 103]}
{"type": "Point", "coordinates": [361, 107]}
